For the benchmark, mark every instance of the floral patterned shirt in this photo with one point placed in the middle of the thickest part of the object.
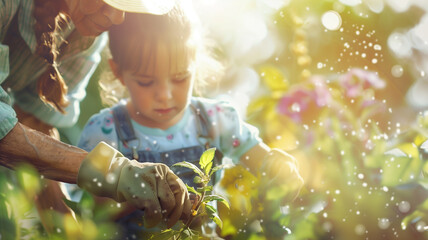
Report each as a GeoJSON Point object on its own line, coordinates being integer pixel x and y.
{"type": "Point", "coordinates": [231, 135]}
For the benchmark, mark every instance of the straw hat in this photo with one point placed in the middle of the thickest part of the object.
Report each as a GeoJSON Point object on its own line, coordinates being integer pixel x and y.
{"type": "Point", "coordinates": [157, 7]}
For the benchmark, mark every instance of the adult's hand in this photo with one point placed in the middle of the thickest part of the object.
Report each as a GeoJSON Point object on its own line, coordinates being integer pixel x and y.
{"type": "Point", "coordinates": [152, 187]}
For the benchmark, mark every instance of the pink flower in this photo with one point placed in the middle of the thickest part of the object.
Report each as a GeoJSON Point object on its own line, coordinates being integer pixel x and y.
{"type": "Point", "coordinates": [295, 103]}
{"type": "Point", "coordinates": [210, 112]}
{"type": "Point", "coordinates": [322, 94]}
{"type": "Point", "coordinates": [357, 80]}
{"type": "Point", "coordinates": [236, 143]}
{"type": "Point", "coordinates": [305, 100]}
{"type": "Point", "coordinates": [170, 137]}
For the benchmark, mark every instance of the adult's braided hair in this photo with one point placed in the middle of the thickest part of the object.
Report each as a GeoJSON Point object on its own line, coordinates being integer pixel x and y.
{"type": "Point", "coordinates": [51, 86]}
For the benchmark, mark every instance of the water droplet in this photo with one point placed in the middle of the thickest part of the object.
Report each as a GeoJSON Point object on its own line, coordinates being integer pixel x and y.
{"type": "Point", "coordinates": [377, 47]}
{"type": "Point", "coordinates": [404, 206]}
{"type": "Point", "coordinates": [327, 226]}
{"type": "Point", "coordinates": [384, 223]}
{"type": "Point", "coordinates": [111, 178]}
{"type": "Point", "coordinates": [295, 107]}
{"type": "Point", "coordinates": [360, 229]}
{"type": "Point", "coordinates": [421, 226]}
{"type": "Point", "coordinates": [397, 71]}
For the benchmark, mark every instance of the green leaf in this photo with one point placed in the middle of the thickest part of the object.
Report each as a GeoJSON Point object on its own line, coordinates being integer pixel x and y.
{"type": "Point", "coordinates": [210, 198]}
{"type": "Point", "coordinates": [192, 190]}
{"type": "Point", "coordinates": [197, 179]}
{"type": "Point", "coordinates": [403, 165]}
{"type": "Point", "coordinates": [210, 210]}
{"type": "Point", "coordinates": [206, 160]}
{"type": "Point", "coordinates": [219, 167]}
{"type": "Point", "coordinates": [421, 213]}
{"type": "Point", "coordinates": [413, 217]}
{"type": "Point", "coordinates": [73, 206]}
{"type": "Point", "coordinates": [164, 235]}
{"type": "Point", "coordinates": [191, 166]}
{"type": "Point", "coordinates": [8, 223]}
{"type": "Point", "coordinates": [274, 78]}
{"type": "Point", "coordinates": [205, 189]}
{"type": "Point", "coordinates": [217, 220]}
{"type": "Point", "coordinates": [189, 234]}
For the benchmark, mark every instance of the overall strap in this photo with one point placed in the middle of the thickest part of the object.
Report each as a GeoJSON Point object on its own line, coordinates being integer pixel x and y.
{"type": "Point", "coordinates": [204, 127]}
{"type": "Point", "coordinates": [206, 131]}
{"type": "Point", "coordinates": [124, 128]}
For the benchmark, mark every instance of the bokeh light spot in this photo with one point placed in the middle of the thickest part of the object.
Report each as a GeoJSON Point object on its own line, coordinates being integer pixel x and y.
{"type": "Point", "coordinates": [397, 71]}
{"type": "Point", "coordinates": [331, 20]}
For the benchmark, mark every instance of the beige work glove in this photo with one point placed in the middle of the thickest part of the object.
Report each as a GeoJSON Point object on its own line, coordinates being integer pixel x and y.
{"type": "Point", "coordinates": [280, 172]}
{"type": "Point", "coordinates": [151, 187]}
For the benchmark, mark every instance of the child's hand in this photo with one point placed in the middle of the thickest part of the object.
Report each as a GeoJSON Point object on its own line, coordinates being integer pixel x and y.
{"type": "Point", "coordinates": [151, 187]}
{"type": "Point", "coordinates": [280, 170]}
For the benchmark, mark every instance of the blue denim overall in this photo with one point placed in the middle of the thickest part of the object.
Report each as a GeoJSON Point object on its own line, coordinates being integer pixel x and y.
{"type": "Point", "coordinates": [133, 223]}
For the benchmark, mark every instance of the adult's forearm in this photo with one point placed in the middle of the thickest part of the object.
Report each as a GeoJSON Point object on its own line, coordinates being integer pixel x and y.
{"type": "Point", "coordinates": [52, 158]}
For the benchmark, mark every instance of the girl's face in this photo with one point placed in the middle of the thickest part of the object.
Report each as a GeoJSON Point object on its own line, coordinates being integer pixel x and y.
{"type": "Point", "coordinates": [160, 91]}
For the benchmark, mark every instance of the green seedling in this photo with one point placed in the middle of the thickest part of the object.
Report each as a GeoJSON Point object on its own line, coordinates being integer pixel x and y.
{"type": "Point", "coordinates": [200, 208]}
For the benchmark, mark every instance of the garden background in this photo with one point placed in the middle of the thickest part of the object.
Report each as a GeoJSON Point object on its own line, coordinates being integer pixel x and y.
{"type": "Point", "coordinates": [341, 85]}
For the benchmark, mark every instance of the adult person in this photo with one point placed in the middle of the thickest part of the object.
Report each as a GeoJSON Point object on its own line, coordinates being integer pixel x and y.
{"type": "Point", "coordinates": [48, 51]}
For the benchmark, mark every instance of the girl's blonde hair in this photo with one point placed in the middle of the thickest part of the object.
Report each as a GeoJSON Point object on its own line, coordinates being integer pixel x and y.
{"type": "Point", "coordinates": [139, 33]}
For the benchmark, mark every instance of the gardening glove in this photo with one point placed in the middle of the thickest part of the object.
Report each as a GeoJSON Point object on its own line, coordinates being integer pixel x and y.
{"type": "Point", "coordinates": [280, 173]}
{"type": "Point", "coordinates": [151, 187]}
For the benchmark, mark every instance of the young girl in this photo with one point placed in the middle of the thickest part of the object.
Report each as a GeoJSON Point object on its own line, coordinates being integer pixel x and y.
{"type": "Point", "coordinates": [158, 59]}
